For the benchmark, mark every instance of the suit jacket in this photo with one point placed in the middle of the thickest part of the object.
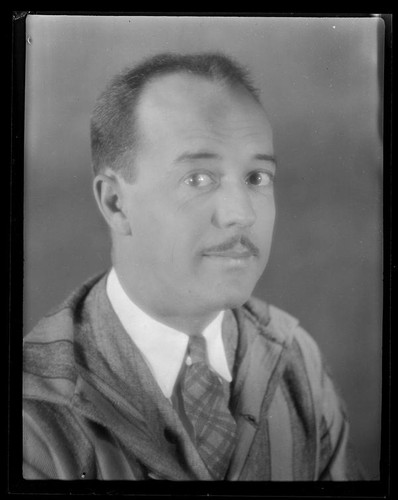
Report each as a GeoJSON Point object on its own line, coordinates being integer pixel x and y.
{"type": "Point", "coordinates": [92, 409]}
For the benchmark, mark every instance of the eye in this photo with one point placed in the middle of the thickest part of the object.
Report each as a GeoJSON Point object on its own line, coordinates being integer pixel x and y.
{"type": "Point", "coordinates": [259, 178]}
{"type": "Point", "coordinates": [198, 180]}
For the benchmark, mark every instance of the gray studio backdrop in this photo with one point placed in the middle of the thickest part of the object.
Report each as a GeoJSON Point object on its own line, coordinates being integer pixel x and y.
{"type": "Point", "coordinates": [320, 81]}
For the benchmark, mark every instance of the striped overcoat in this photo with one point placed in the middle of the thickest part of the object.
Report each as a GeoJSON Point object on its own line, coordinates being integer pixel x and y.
{"type": "Point", "coordinates": [92, 409]}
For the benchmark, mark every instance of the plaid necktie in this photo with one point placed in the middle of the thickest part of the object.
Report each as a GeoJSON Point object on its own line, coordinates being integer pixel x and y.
{"type": "Point", "coordinates": [206, 407]}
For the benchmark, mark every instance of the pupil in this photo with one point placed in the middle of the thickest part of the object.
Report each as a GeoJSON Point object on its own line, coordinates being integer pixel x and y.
{"type": "Point", "coordinates": [195, 180]}
{"type": "Point", "coordinates": [255, 178]}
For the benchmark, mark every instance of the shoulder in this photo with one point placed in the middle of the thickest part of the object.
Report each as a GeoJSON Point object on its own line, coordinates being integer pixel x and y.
{"type": "Point", "coordinates": [49, 349]}
{"type": "Point", "coordinates": [58, 323]}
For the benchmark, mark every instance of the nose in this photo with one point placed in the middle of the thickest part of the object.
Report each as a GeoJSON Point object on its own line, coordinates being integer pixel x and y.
{"type": "Point", "coordinates": [234, 207]}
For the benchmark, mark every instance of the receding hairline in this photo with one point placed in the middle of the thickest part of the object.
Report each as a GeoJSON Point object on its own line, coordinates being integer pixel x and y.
{"type": "Point", "coordinates": [127, 90]}
{"type": "Point", "coordinates": [179, 75]}
{"type": "Point", "coordinates": [154, 96]}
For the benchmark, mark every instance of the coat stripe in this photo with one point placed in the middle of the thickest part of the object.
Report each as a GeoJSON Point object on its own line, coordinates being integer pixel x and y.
{"type": "Point", "coordinates": [279, 424]}
{"type": "Point", "coordinates": [297, 391]}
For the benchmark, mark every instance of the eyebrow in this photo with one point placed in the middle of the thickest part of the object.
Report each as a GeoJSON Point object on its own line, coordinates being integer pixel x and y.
{"type": "Point", "coordinates": [265, 157]}
{"type": "Point", "coordinates": [207, 155]}
{"type": "Point", "coordinates": [200, 155]}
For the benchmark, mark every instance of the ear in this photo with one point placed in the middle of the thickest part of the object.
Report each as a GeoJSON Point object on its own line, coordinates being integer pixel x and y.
{"type": "Point", "coordinates": [109, 198]}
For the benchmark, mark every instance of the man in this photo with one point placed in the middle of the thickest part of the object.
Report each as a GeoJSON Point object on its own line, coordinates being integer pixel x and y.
{"type": "Point", "coordinates": [165, 367]}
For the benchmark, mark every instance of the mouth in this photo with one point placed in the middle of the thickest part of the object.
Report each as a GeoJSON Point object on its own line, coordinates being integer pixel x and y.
{"type": "Point", "coordinates": [231, 259]}
{"type": "Point", "coordinates": [234, 253]}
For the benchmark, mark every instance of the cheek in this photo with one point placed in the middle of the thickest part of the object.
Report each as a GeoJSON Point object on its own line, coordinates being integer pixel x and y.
{"type": "Point", "coordinates": [167, 234]}
{"type": "Point", "coordinates": [266, 212]}
{"type": "Point", "coordinates": [149, 228]}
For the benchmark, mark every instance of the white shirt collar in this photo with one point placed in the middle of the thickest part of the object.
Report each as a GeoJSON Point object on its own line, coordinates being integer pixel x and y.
{"type": "Point", "coordinates": [163, 347]}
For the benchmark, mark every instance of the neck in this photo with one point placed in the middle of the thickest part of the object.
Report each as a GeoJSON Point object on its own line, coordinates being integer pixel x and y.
{"type": "Point", "coordinates": [173, 315]}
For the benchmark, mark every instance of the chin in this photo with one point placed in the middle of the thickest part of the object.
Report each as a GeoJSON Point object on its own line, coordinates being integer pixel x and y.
{"type": "Point", "coordinates": [235, 302]}
{"type": "Point", "coordinates": [233, 298]}
{"type": "Point", "coordinates": [232, 287]}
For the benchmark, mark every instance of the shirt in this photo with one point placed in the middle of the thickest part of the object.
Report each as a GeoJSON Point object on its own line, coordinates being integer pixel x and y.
{"type": "Point", "coordinates": [163, 347]}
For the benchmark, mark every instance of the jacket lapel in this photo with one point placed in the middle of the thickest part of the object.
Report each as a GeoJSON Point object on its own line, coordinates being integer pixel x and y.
{"type": "Point", "coordinates": [132, 432]}
{"type": "Point", "coordinates": [258, 365]}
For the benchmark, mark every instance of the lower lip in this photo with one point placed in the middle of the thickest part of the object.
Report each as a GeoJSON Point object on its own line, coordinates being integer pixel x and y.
{"type": "Point", "coordinates": [242, 260]}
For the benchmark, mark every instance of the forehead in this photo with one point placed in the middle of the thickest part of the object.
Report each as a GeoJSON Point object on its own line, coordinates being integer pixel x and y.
{"type": "Point", "coordinates": [180, 106]}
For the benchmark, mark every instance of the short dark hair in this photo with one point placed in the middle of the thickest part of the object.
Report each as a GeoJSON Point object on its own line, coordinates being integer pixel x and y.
{"type": "Point", "coordinates": [113, 123]}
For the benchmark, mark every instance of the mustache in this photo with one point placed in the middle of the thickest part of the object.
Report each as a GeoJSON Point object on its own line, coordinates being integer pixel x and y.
{"type": "Point", "coordinates": [230, 243]}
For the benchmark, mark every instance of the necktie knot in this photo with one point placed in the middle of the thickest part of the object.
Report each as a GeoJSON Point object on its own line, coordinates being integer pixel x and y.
{"type": "Point", "coordinates": [197, 349]}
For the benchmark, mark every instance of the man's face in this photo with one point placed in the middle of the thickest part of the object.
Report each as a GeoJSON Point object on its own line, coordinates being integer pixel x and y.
{"type": "Point", "coordinates": [201, 209]}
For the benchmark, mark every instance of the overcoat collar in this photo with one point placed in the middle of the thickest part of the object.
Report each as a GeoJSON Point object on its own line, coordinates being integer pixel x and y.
{"type": "Point", "coordinates": [258, 366]}
{"type": "Point", "coordinates": [112, 369]}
